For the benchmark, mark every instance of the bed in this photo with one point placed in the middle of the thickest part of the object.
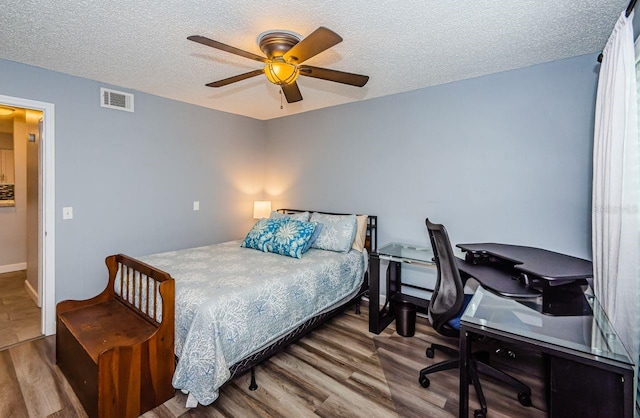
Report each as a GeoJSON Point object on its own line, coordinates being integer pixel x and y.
{"type": "Point", "coordinates": [235, 307]}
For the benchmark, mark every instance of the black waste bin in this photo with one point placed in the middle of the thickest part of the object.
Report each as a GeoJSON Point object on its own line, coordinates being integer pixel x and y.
{"type": "Point", "coordinates": [405, 318]}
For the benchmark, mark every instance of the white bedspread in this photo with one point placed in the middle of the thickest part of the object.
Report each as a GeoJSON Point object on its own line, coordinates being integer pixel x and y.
{"type": "Point", "coordinates": [232, 301]}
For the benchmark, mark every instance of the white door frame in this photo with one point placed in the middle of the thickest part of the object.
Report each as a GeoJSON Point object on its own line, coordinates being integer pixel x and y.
{"type": "Point", "coordinates": [47, 217]}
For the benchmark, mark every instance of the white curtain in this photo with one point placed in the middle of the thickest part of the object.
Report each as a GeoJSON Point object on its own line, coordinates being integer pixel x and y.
{"type": "Point", "coordinates": [616, 187]}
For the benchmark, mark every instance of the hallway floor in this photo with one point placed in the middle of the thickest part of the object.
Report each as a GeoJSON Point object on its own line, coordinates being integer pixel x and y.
{"type": "Point", "coordinates": [19, 316]}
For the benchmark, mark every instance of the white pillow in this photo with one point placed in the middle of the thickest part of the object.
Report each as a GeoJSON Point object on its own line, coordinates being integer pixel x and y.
{"type": "Point", "coordinates": [338, 232]}
{"type": "Point", "coordinates": [361, 233]}
{"type": "Point", "coordinates": [298, 216]}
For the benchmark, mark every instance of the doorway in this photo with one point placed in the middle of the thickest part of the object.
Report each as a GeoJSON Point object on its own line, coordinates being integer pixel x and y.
{"type": "Point", "coordinates": [20, 315]}
{"type": "Point", "coordinates": [37, 269]}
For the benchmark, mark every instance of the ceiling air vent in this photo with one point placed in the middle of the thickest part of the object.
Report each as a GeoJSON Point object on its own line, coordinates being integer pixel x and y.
{"type": "Point", "coordinates": [116, 99]}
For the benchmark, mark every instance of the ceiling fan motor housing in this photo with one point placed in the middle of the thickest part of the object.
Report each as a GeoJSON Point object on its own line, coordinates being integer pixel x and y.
{"type": "Point", "coordinates": [277, 43]}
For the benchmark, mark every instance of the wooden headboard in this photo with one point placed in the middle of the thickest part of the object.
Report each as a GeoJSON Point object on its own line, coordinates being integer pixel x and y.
{"type": "Point", "coordinates": [371, 243]}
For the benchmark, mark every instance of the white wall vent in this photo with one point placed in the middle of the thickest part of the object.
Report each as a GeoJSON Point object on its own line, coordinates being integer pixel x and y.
{"type": "Point", "coordinates": [116, 99]}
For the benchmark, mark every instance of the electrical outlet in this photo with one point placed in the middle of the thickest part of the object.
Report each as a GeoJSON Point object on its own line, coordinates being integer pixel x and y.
{"type": "Point", "coordinates": [67, 213]}
{"type": "Point", "coordinates": [196, 205]}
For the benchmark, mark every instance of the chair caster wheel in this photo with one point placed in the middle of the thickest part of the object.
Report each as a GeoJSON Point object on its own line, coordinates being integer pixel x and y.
{"type": "Point", "coordinates": [424, 381]}
{"type": "Point", "coordinates": [430, 352]}
{"type": "Point", "coordinates": [479, 414]}
{"type": "Point", "coordinates": [524, 399]}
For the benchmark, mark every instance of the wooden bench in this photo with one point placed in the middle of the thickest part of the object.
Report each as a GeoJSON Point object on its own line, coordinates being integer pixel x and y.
{"type": "Point", "coordinates": [116, 349]}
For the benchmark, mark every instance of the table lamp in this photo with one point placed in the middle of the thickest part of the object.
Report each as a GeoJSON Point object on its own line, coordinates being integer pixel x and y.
{"type": "Point", "coordinates": [261, 209]}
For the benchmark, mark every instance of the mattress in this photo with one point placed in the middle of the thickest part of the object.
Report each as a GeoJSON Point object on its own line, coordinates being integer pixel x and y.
{"type": "Point", "coordinates": [232, 301]}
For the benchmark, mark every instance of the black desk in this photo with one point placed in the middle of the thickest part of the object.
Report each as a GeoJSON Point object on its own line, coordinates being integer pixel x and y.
{"type": "Point", "coordinates": [499, 277]}
{"type": "Point", "coordinates": [499, 280]}
{"type": "Point", "coordinates": [531, 264]}
{"type": "Point", "coordinates": [396, 254]}
{"type": "Point", "coordinates": [589, 371]}
{"type": "Point", "coordinates": [558, 278]}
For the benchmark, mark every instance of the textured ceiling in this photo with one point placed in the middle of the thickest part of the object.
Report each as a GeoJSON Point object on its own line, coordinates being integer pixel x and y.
{"type": "Point", "coordinates": [401, 45]}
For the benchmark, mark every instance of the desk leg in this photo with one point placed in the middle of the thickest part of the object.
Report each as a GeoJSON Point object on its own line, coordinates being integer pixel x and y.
{"type": "Point", "coordinates": [395, 278]}
{"type": "Point", "coordinates": [374, 294]}
{"type": "Point", "coordinates": [465, 353]}
{"type": "Point", "coordinates": [378, 319]}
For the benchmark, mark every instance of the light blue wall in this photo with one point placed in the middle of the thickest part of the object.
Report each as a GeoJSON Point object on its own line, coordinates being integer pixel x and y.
{"type": "Point", "coordinates": [503, 158]}
{"type": "Point", "coordinates": [131, 178]}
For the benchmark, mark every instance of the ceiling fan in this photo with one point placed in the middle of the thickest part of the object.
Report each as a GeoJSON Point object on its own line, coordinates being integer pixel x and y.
{"type": "Point", "coordinates": [285, 53]}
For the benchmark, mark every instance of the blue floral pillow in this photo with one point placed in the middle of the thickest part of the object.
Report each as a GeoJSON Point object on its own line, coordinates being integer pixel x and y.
{"type": "Point", "coordinates": [261, 233]}
{"type": "Point", "coordinates": [291, 238]}
{"type": "Point", "coordinates": [338, 232]}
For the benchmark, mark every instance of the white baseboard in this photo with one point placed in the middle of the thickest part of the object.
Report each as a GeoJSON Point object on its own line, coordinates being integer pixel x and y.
{"type": "Point", "coordinates": [32, 292]}
{"type": "Point", "coordinates": [9, 268]}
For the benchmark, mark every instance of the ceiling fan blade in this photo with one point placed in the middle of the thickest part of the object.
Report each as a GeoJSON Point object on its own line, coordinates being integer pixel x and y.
{"type": "Point", "coordinates": [224, 47]}
{"type": "Point", "coordinates": [320, 40]}
{"type": "Point", "coordinates": [235, 78]}
{"type": "Point", "coordinates": [334, 75]}
{"type": "Point", "coordinates": [292, 92]}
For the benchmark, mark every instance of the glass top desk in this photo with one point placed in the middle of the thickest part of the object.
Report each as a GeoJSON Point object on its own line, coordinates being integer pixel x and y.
{"type": "Point", "coordinates": [406, 253]}
{"type": "Point", "coordinates": [396, 254]}
{"type": "Point", "coordinates": [583, 350]}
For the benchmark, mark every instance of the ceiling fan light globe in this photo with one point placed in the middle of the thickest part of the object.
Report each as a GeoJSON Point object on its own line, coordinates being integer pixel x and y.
{"type": "Point", "coordinates": [281, 73]}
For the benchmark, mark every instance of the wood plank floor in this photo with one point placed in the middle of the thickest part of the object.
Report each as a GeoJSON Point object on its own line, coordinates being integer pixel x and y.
{"type": "Point", "coordinates": [19, 316]}
{"type": "Point", "coordinates": [340, 370]}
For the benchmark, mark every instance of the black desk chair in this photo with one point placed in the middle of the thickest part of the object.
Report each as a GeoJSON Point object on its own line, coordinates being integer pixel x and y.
{"type": "Point", "coordinates": [447, 304]}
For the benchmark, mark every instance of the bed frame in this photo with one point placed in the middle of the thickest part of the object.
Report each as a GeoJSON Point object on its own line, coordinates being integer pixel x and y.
{"type": "Point", "coordinates": [248, 364]}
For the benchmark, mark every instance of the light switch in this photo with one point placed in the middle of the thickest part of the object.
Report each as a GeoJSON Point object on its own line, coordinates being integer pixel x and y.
{"type": "Point", "coordinates": [67, 213]}
{"type": "Point", "coordinates": [196, 205]}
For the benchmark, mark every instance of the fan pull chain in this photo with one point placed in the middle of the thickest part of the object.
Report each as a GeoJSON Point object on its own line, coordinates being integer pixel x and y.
{"type": "Point", "coordinates": [281, 99]}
